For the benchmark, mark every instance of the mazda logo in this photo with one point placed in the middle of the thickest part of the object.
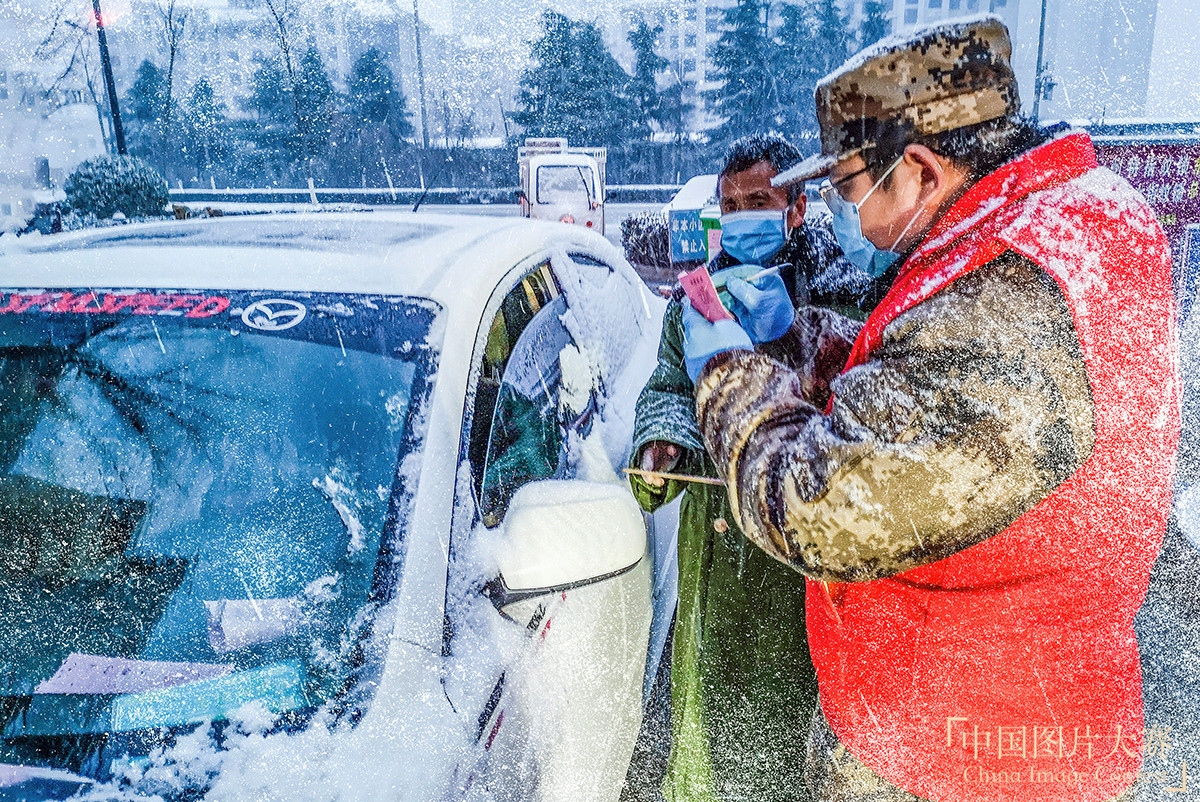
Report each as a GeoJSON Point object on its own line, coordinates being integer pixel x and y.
{"type": "Point", "coordinates": [273, 314]}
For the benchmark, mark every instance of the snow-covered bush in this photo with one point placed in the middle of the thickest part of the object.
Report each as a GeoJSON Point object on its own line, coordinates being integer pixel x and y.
{"type": "Point", "coordinates": [647, 239]}
{"type": "Point", "coordinates": [109, 184]}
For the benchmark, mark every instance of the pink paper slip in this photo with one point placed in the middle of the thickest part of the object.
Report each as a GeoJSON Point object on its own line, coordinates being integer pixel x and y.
{"type": "Point", "coordinates": [703, 295]}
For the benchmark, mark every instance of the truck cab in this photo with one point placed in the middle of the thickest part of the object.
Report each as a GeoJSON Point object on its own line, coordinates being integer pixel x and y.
{"type": "Point", "coordinates": [562, 184]}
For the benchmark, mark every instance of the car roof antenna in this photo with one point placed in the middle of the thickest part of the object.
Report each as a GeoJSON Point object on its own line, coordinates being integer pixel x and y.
{"type": "Point", "coordinates": [432, 181]}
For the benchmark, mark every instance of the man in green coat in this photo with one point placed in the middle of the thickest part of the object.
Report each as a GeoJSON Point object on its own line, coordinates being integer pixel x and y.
{"type": "Point", "coordinates": [743, 686]}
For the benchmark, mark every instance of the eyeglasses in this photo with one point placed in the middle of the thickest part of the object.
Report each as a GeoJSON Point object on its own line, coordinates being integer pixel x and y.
{"type": "Point", "coordinates": [828, 188]}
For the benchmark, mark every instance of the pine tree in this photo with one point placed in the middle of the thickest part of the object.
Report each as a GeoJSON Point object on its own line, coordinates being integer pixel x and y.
{"type": "Point", "coordinates": [207, 128]}
{"type": "Point", "coordinates": [875, 23]}
{"type": "Point", "coordinates": [747, 99]}
{"type": "Point", "coordinates": [794, 56]}
{"type": "Point", "coordinates": [273, 133]}
{"type": "Point", "coordinates": [643, 84]}
{"type": "Point", "coordinates": [314, 107]}
{"type": "Point", "coordinates": [574, 87]}
{"type": "Point", "coordinates": [146, 110]}
{"type": "Point", "coordinates": [270, 97]}
{"type": "Point", "coordinates": [374, 98]}
{"type": "Point", "coordinates": [831, 31]}
{"type": "Point", "coordinates": [675, 108]}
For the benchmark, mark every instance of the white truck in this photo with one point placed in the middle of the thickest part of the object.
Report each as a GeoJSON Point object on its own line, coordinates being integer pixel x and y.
{"type": "Point", "coordinates": [562, 183]}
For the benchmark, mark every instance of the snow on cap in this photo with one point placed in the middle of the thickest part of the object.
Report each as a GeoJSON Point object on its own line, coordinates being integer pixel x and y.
{"type": "Point", "coordinates": [935, 79]}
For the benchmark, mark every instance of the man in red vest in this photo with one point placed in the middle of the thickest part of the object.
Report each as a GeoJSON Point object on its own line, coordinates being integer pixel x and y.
{"type": "Point", "coordinates": [978, 497]}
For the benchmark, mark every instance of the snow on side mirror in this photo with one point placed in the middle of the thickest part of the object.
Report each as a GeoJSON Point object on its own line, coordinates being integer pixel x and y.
{"type": "Point", "coordinates": [560, 535]}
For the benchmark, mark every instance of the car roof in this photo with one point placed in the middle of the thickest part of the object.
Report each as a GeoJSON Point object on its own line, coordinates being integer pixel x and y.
{"type": "Point", "coordinates": [435, 256]}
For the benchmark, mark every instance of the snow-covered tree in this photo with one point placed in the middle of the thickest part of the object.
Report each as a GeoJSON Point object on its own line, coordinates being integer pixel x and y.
{"type": "Point", "coordinates": [573, 87]}
{"type": "Point", "coordinates": [146, 111]}
{"type": "Point", "coordinates": [272, 136]}
{"type": "Point", "coordinates": [799, 63]}
{"type": "Point", "coordinates": [831, 30]}
{"type": "Point", "coordinates": [207, 140]}
{"type": "Point", "coordinates": [314, 98]}
{"type": "Point", "coordinates": [747, 97]}
{"type": "Point", "coordinates": [643, 84]}
{"type": "Point", "coordinates": [109, 184]}
{"type": "Point", "coordinates": [374, 100]}
{"type": "Point", "coordinates": [875, 24]}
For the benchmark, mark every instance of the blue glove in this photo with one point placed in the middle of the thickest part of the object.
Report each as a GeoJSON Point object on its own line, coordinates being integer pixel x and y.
{"type": "Point", "coordinates": [763, 308]}
{"type": "Point", "coordinates": [703, 340]}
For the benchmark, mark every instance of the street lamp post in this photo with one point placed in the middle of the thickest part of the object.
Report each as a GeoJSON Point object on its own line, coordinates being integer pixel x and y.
{"type": "Point", "coordinates": [109, 84]}
{"type": "Point", "coordinates": [420, 77]}
{"type": "Point", "coordinates": [1039, 78]}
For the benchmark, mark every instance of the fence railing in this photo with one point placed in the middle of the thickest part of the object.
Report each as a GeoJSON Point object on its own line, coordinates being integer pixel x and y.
{"type": "Point", "coordinates": [400, 196]}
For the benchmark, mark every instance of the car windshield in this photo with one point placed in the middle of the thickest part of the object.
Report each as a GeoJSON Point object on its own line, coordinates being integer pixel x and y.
{"type": "Point", "coordinates": [197, 491]}
{"type": "Point", "coordinates": [565, 184]}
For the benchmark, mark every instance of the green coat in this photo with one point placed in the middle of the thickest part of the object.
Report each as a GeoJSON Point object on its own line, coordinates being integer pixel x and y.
{"type": "Point", "coordinates": [743, 686]}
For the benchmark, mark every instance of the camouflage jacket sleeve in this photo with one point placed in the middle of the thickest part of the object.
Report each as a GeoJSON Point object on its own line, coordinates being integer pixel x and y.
{"type": "Point", "coordinates": [816, 348]}
{"type": "Point", "coordinates": [975, 406]}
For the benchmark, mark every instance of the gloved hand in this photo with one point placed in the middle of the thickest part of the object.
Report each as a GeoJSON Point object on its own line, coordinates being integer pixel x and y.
{"type": "Point", "coordinates": [764, 308]}
{"type": "Point", "coordinates": [703, 340]}
{"type": "Point", "coordinates": [659, 456]}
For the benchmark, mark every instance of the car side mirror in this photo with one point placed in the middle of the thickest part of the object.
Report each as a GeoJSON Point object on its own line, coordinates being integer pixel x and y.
{"type": "Point", "coordinates": [565, 534]}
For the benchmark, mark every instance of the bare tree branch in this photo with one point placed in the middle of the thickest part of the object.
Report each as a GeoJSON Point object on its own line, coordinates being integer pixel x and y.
{"type": "Point", "coordinates": [172, 21]}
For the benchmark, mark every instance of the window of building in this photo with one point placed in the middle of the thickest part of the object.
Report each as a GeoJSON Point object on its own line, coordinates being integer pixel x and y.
{"type": "Point", "coordinates": [954, 4]}
{"type": "Point", "coordinates": [674, 42]}
{"type": "Point", "coordinates": [910, 12]}
{"type": "Point", "coordinates": [689, 40]}
{"type": "Point", "coordinates": [3, 77]}
{"type": "Point", "coordinates": [3, 93]}
{"type": "Point", "coordinates": [689, 66]}
{"type": "Point", "coordinates": [935, 3]}
{"type": "Point", "coordinates": [6, 209]}
{"type": "Point", "coordinates": [690, 15]}
{"type": "Point", "coordinates": [972, 5]}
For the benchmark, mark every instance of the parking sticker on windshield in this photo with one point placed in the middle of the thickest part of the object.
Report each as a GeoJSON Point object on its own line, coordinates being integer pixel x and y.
{"type": "Point", "coordinates": [136, 303]}
{"type": "Point", "coordinates": [397, 326]}
{"type": "Point", "coordinates": [274, 314]}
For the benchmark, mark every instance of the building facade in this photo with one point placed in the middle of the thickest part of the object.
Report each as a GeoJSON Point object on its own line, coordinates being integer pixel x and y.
{"type": "Point", "coordinates": [1101, 59]}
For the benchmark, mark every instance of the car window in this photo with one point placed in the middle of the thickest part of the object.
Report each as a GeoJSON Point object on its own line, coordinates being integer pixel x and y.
{"type": "Point", "coordinates": [563, 184]}
{"type": "Point", "coordinates": [518, 395]}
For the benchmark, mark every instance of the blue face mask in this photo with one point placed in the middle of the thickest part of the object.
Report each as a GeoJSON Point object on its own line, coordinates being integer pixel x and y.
{"type": "Point", "coordinates": [857, 248]}
{"type": "Point", "coordinates": [753, 237]}
{"type": "Point", "coordinates": [847, 227]}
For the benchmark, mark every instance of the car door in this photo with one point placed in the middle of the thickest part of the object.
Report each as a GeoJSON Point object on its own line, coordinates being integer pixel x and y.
{"type": "Point", "coordinates": [550, 686]}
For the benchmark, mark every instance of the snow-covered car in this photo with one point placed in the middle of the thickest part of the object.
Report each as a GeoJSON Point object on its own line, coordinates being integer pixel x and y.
{"type": "Point", "coordinates": [321, 506]}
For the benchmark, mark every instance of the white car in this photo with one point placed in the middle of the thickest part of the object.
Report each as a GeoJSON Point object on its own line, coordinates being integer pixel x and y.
{"type": "Point", "coordinates": [321, 506]}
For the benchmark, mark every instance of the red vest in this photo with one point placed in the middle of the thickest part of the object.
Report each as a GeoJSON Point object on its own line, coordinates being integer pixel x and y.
{"type": "Point", "coordinates": [1009, 671]}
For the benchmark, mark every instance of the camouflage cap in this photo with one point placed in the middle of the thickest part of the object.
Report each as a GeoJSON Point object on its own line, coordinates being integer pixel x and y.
{"type": "Point", "coordinates": [936, 79]}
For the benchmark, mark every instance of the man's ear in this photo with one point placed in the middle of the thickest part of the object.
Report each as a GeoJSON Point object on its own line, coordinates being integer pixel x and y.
{"type": "Point", "coordinates": [930, 168]}
{"type": "Point", "coordinates": [795, 215]}
{"type": "Point", "coordinates": [939, 178]}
